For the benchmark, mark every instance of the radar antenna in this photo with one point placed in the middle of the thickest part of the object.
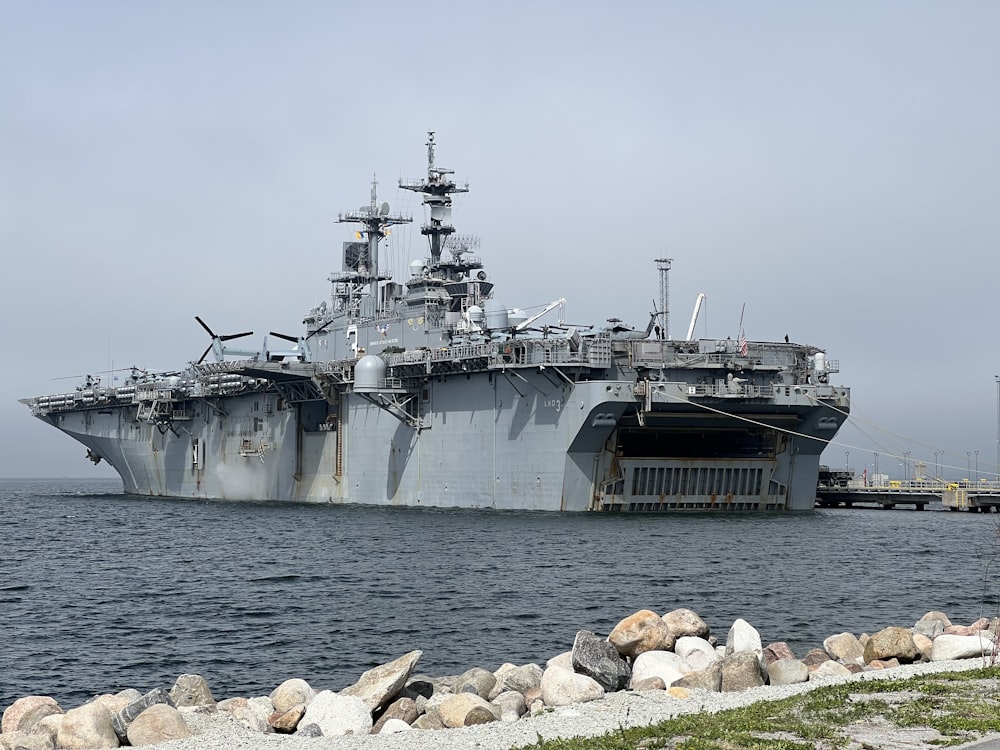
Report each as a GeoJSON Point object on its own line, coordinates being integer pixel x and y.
{"type": "Point", "coordinates": [437, 189]}
{"type": "Point", "coordinates": [376, 220]}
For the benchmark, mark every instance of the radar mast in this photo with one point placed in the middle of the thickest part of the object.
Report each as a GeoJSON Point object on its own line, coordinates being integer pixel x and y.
{"type": "Point", "coordinates": [376, 221]}
{"type": "Point", "coordinates": [437, 189]}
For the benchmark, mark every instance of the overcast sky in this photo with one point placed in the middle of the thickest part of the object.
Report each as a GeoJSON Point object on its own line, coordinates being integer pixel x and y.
{"type": "Point", "coordinates": [834, 167]}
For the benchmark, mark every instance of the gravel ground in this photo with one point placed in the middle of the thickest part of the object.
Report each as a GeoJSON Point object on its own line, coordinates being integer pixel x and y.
{"type": "Point", "coordinates": [622, 709]}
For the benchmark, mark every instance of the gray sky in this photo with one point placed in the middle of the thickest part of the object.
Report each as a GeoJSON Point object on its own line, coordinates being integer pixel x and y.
{"type": "Point", "coordinates": [833, 166]}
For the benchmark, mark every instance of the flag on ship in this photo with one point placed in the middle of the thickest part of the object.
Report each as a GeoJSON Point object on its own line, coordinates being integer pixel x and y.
{"type": "Point", "coordinates": [743, 344]}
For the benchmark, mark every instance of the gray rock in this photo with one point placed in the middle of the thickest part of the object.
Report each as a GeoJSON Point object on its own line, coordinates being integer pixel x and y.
{"type": "Point", "coordinates": [561, 687]}
{"type": "Point", "coordinates": [709, 679]}
{"type": "Point", "coordinates": [597, 658]}
{"type": "Point", "coordinates": [511, 704]}
{"type": "Point", "coordinates": [685, 622]}
{"type": "Point", "coordinates": [476, 680]}
{"type": "Point", "coordinates": [158, 723]}
{"type": "Point", "coordinates": [379, 686]}
{"type": "Point", "coordinates": [787, 672]}
{"type": "Point", "coordinates": [121, 720]}
{"type": "Point", "coordinates": [191, 690]}
{"type": "Point", "coordinates": [308, 730]}
{"type": "Point", "coordinates": [522, 679]}
{"type": "Point", "coordinates": [932, 624]}
{"type": "Point", "coordinates": [431, 720]}
{"type": "Point", "coordinates": [741, 670]}
{"type": "Point", "coordinates": [337, 714]}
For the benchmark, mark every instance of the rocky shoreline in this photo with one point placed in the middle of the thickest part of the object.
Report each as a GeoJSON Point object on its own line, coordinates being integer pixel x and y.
{"type": "Point", "coordinates": [670, 658]}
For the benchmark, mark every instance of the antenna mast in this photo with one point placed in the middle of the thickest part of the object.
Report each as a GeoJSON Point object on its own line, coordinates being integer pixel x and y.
{"type": "Point", "coordinates": [437, 190]}
{"type": "Point", "coordinates": [663, 266]}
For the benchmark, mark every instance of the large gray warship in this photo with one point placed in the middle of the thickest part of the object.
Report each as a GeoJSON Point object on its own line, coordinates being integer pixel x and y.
{"type": "Point", "coordinates": [430, 391]}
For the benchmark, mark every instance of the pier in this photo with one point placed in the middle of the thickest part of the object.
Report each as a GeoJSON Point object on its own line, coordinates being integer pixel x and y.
{"type": "Point", "coordinates": [981, 497]}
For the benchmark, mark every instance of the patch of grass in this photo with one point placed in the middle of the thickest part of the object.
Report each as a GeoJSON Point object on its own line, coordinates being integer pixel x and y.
{"type": "Point", "coordinates": [959, 705]}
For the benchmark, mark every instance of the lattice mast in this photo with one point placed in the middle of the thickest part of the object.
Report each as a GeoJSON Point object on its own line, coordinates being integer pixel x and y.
{"type": "Point", "coordinates": [663, 266]}
{"type": "Point", "coordinates": [376, 220]}
{"type": "Point", "coordinates": [437, 189]}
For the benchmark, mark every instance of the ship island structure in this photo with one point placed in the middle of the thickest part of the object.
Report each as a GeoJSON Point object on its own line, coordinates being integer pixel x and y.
{"type": "Point", "coordinates": [430, 391]}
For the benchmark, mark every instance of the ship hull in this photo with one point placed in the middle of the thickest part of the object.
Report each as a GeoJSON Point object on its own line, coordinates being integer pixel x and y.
{"type": "Point", "coordinates": [525, 440]}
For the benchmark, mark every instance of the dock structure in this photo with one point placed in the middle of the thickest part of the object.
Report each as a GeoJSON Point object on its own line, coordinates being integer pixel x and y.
{"type": "Point", "coordinates": [974, 497]}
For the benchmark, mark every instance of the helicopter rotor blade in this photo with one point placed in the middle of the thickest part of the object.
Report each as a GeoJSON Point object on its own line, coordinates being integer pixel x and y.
{"type": "Point", "coordinates": [229, 336]}
{"type": "Point", "coordinates": [205, 326]}
{"type": "Point", "coordinates": [284, 336]}
{"type": "Point", "coordinates": [204, 354]}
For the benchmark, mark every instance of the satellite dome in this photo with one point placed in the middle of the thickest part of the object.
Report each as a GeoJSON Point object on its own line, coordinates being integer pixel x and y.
{"type": "Point", "coordinates": [369, 373]}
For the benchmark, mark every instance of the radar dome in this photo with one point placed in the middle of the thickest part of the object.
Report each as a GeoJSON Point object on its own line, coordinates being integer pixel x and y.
{"type": "Point", "coordinates": [496, 315]}
{"type": "Point", "coordinates": [516, 316]}
{"type": "Point", "coordinates": [369, 373]}
{"type": "Point", "coordinates": [476, 314]}
{"type": "Point", "coordinates": [417, 267]}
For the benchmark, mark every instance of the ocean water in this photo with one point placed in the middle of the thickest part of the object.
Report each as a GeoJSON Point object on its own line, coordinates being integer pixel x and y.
{"type": "Point", "coordinates": [100, 591]}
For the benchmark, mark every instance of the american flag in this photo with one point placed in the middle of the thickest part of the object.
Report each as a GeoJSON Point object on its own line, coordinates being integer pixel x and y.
{"type": "Point", "coordinates": [743, 344]}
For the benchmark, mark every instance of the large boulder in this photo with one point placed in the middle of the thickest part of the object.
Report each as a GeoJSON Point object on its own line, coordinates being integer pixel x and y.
{"type": "Point", "coordinates": [709, 679]}
{"type": "Point", "coordinates": [25, 712]}
{"type": "Point", "coordinates": [777, 651]}
{"type": "Point", "coordinates": [476, 680]}
{"type": "Point", "coordinates": [948, 646]}
{"type": "Point", "coordinates": [337, 715]}
{"type": "Point", "coordinates": [158, 723]}
{"type": "Point", "coordinates": [981, 624]}
{"type": "Point", "coordinates": [685, 622]}
{"type": "Point", "coordinates": [844, 647]}
{"type": "Point", "coordinates": [520, 678]}
{"type": "Point", "coordinates": [377, 687]}
{"type": "Point", "coordinates": [561, 687]}
{"type": "Point", "coordinates": [511, 704]}
{"type": "Point", "coordinates": [401, 709]}
{"type": "Point", "coordinates": [597, 658]}
{"type": "Point", "coordinates": [829, 668]}
{"type": "Point", "coordinates": [640, 632]}
{"type": "Point", "coordinates": [287, 721]}
{"type": "Point", "coordinates": [932, 624]}
{"type": "Point", "coordinates": [891, 643]}
{"type": "Point", "coordinates": [741, 670]}
{"type": "Point", "coordinates": [291, 693]}
{"type": "Point", "coordinates": [695, 652]}
{"type": "Point", "coordinates": [87, 727]}
{"type": "Point", "coordinates": [744, 638]}
{"type": "Point", "coordinates": [467, 709]}
{"type": "Point", "coordinates": [126, 715]}
{"type": "Point", "coordinates": [787, 672]}
{"type": "Point", "coordinates": [191, 690]}
{"type": "Point", "coordinates": [666, 665]}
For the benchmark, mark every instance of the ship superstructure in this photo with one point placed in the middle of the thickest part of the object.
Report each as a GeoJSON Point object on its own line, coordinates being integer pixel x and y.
{"type": "Point", "coordinates": [430, 391]}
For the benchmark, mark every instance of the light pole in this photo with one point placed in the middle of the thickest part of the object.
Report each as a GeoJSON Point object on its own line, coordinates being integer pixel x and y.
{"type": "Point", "coordinates": [906, 464]}
{"type": "Point", "coordinates": [847, 460]}
{"type": "Point", "coordinates": [875, 478]}
{"type": "Point", "coordinates": [968, 465]}
{"type": "Point", "coordinates": [977, 467]}
{"type": "Point", "coordinates": [937, 471]}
